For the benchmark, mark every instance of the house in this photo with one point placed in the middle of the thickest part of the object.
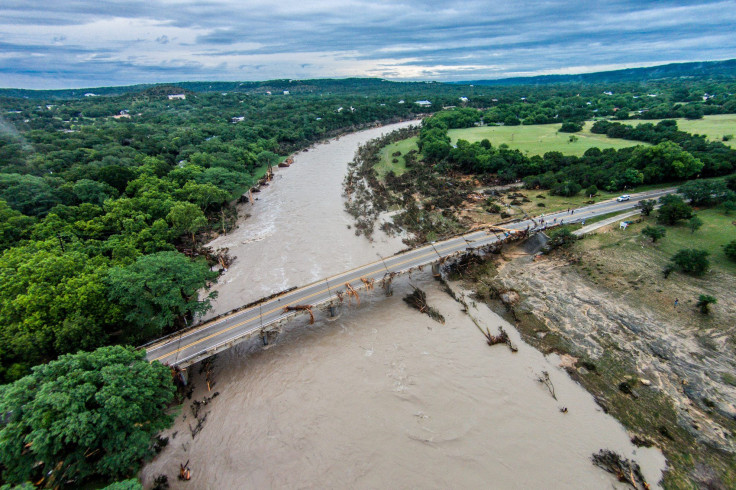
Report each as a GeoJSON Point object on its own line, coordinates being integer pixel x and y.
{"type": "Point", "coordinates": [423, 103]}
{"type": "Point", "coordinates": [237, 119]}
{"type": "Point", "coordinates": [122, 114]}
{"type": "Point", "coordinates": [90, 94]}
{"type": "Point", "coordinates": [286, 92]}
{"type": "Point", "coordinates": [608, 93]}
{"type": "Point", "coordinates": [401, 102]}
{"type": "Point", "coordinates": [464, 100]}
{"type": "Point", "coordinates": [177, 96]}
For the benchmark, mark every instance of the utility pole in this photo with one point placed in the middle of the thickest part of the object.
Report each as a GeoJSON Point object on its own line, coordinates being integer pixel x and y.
{"type": "Point", "coordinates": [384, 263]}
{"type": "Point", "coordinates": [435, 250]}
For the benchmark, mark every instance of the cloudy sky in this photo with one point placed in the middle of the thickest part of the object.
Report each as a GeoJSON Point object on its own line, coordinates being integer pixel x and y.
{"type": "Point", "coordinates": [83, 43]}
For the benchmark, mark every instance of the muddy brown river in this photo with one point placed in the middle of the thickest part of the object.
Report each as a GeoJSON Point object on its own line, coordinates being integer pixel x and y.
{"type": "Point", "coordinates": [380, 396]}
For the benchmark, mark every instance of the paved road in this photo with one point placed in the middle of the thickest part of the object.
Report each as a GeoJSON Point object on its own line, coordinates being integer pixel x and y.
{"type": "Point", "coordinates": [204, 340]}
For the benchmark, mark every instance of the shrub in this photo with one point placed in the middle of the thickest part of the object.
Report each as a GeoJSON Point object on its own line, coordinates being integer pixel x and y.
{"type": "Point", "coordinates": [654, 232]}
{"type": "Point", "coordinates": [730, 249]}
{"type": "Point", "coordinates": [571, 127]}
{"type": "Point", "coordinates": [646, 206]}
{"type": "Point", "coordinates": [591, 191]}
{"type": "Point", "coordinates": [694, 223]}
{"type": "Point", "coordinates": [692, 261]}
{"type": "Point", "coordinates": [704, 302]}
{"type": "Point", "coordinates": [541, 204]}
{"type": "Point", "coordinates": [560, 238]}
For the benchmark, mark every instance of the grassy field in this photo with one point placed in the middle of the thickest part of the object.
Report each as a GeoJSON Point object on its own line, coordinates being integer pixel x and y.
{"type": "Point", "coordinates": [386, 164]}
{"type": "Point", "coordinates": [717, 230]}
{"type": "Point", "coordinates": [539, 139]}
{"type": "Point", "coordinates": [714, 127]}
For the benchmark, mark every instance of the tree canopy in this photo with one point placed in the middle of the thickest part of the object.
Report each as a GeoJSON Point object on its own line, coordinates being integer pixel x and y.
{"type": "Point", "coordinates": [158, 290]}
{"type": "Point", "coordinates": [85, 414]}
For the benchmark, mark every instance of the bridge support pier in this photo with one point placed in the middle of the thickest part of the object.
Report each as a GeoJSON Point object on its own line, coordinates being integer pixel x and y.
{"type": "Point", "coordinates": [269, 335]}
{"type": "Point", "coordinates": [435, 270]}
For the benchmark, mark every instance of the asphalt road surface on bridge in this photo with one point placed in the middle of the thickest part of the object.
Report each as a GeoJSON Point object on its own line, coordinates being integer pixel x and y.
{"type": "Point", "coordinates": [191, 345]}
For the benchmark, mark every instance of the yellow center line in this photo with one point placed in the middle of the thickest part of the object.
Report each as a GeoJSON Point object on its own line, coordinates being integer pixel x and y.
{"type": "Point", "coordinates": [341, 274]}
{"type": "Point", "coordinates": [285, 304]}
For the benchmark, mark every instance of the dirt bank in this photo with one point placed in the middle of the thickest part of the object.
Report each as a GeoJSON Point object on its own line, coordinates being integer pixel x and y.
{"type": "Point", "coordinates": [666, 372]}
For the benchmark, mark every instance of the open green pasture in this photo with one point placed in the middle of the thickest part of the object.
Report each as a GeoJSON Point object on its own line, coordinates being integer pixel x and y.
{"type": "Point", "coordinates": [540, 138]}
{"type": "Point", "coordinates": [713, 127]}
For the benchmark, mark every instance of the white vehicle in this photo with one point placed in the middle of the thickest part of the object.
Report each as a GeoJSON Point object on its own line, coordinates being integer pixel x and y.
{"type": "Point", "coordinates": [623, 198]}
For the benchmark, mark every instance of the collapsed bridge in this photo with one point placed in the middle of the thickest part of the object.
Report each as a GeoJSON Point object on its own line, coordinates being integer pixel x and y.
{"type": "Point", "coordinates": [264, 317]}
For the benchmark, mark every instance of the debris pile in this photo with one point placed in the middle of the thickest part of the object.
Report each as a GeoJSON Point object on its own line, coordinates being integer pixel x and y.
{"type": "Point", "coordinates": [418, 300]}
{"type": "Point", "coordinates": [626, 471]}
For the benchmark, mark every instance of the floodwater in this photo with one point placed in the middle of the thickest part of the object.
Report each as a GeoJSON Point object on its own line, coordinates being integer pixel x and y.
{"type": "Point", "coordinates": [381, 396]}
{"type": "Point", "coordinates": [298, 231]}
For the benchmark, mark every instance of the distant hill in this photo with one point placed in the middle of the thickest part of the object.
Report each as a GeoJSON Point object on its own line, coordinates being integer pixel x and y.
{"type": "Point", "coordinates": [697, 69]}
{"type": "Point", "coordinates": [700, 69]}
{"type": "Point", "coordinates": [277, 87]}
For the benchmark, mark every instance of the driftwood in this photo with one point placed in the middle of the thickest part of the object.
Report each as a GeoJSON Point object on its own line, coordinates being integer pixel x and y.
{"type": "Point", "coordinates": [368, 283]}
{"type": "Point", "coordinates": [544, 379]}
{"type": "Point", "coordinates": [501, 338]}
{"type": "Point", "coordinates": [184, 472]}
{"type": "Point", "coordinates": [307, 308]}
{"type": "Point", "coordinates": [626, 471]}
{"type": "Point", "coordinates": [352, 292]}
{"type": "Point", "coordinates": [418, 300]}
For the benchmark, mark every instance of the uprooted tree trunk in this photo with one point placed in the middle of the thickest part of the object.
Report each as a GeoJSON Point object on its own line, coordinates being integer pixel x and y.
{"type": "Point", "coordinates": [418, 299]}
{"type": "Point", "coordinates": [626, 471]}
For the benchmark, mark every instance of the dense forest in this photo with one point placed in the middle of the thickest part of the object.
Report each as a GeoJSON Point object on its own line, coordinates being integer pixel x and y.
{"type": "Point", "coordinates": [105, 201]}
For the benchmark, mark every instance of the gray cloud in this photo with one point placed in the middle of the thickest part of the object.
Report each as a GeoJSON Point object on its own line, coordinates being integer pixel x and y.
{"type": "Point", "coordinates": [118, 42]}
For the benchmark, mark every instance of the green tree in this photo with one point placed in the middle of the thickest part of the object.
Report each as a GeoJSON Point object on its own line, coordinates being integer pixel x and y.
{"type": "Point", "coordinates": [51, 303]}
{"type": "Point", "coordinates": [694, 223]}
{"type": "Point", "coordinates": [646, 206]}
{"type": "Point", "coordinates": [673, 209]}
{"type": "Point", "coordinates": [665, 161]}
{"type": "Point", "coordinates": [571, 127]}
{"type": "Point", "coordinates": [83, 415]}
{"type": "Point", "coordinates": [203, 195]}
{"type": "Point", "coordinates": [705, 192]}
{"type": "Point", "coordinates": [654, 232]}
{"type": "Point", "coordinates": [267, 157]}
{"type": "Point", "coordinates": [729, 206]}
{"type": "Point", "coordinates": [566, 188]}
{"type": "Point", "coordinates": [93, 192]}
{"type": "Point", "coordinates": [704, 302]}
{"type": "Point", "coordinates": [692, 261]}
{"type": "Point", "coordinates": [14, 226]}
{"type": "Point", "coordinates": [187, 217]}
{"type": "Point", "coordinates": [158, 290]}
{"type": "Point", "coordinates": [28, 194]}
{"type": "Point", "coordinates": [591, 191]}
{"type": "Point", "coordinates": [730, 250]}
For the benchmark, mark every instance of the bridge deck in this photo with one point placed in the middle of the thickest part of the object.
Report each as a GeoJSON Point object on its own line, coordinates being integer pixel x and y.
{"type": "Point", "coordinates": [199, 342]}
